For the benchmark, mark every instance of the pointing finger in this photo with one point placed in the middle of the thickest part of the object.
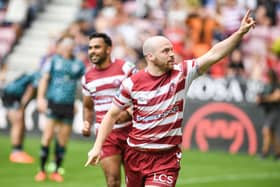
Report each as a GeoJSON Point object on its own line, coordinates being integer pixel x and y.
{"type": "Point", "coordinates": [247, 14]}
{"type": "Point", "coordinates": [88, 161]}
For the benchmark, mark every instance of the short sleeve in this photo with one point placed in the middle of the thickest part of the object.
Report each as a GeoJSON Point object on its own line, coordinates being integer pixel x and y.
{"type": "Point", "coordinates": [85, 90]}
{"type": "Point", "coordinates": [46, 68]}
{"type": "Point", "coordinates": [129, 68]}
{"type": "Point", "coordinates": [190, 69]}
{"type": "Point", "coordinates": [123, 96]}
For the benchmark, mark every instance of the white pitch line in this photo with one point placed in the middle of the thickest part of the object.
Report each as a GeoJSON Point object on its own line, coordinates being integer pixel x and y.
{"type": "Point", "coordinates": [229, 177]}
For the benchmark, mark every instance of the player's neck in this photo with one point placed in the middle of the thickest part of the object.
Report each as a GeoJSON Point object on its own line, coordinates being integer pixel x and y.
{"type": "Point", "coordinates": [155, 71]}
{"type": "Point", "coordinates": [104, 65]}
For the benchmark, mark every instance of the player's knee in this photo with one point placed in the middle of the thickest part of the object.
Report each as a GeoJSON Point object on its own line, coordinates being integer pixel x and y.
{"type": "Point", "coordinates": [113, 181]}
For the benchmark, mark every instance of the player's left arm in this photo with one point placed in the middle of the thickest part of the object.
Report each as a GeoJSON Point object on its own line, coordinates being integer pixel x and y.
{"type": "Point", "coordinates": [28, 95]}
{"type": "Point", "coordinates": [223, 48]}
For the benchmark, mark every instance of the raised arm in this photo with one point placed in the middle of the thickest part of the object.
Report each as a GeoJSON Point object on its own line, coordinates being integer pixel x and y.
{"type": "Point", "coordinates": [104, 130]}
{"type": "Point", "coordinates": [223, 48]}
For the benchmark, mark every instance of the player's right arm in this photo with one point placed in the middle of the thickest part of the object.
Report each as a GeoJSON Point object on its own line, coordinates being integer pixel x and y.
{"type": "Point", "coordinates": [104, 130]}
{"type": "Point", "coordinates": [42, 89]}
{"type": "Point", "coordinates": [88, 114]}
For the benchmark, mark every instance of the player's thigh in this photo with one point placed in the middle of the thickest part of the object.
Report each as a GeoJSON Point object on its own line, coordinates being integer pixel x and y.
{"type": "Point", "coordinates": [15, 116]}
{"type": "Point", "coordinates": [111, 165]}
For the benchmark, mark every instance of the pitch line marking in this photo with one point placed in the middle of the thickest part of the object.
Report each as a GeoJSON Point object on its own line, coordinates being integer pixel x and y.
{"type": "Point", "coordinates": [229, 177]}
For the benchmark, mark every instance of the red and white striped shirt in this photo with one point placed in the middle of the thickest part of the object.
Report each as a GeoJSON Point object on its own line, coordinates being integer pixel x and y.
{"type": "Point", "coordinates": [158, 104]}
{"type": "Point", "coordinates": [103, 84]}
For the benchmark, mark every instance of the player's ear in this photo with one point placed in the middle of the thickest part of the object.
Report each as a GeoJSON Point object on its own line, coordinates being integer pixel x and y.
{"type": "Point", "coordinates": [109, 50]}
{"type": "Point", "coordinates": [150, 56]}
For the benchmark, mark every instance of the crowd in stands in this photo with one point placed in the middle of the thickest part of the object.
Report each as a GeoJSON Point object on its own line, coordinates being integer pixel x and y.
{"type": "Point", "coordinates": [15, 17]}
{"type": "Point", "coordinates": [193, 26]}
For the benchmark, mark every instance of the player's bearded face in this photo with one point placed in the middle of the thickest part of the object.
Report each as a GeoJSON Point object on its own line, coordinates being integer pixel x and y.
{"type": "Point", "coordinates": [98, 51]}
{"type": "Point", "coordinates": [164, 63]}
{"type": "Point", "coordinates": [98, 58]}
{"type": "Point", "coordinates": [165, 59]}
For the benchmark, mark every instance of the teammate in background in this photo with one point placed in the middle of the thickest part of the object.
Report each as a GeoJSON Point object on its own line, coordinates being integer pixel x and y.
{"type": "Point", "coordinates": [270, 101]}
{"type": "Point", "coordinates": [16, 96]}
{"type": "Point", "coordinates": [157, 95]}
{"type": "Point", "coordinates": [100, 84]}
{"type": "Point", "coordinates": [56, 97]}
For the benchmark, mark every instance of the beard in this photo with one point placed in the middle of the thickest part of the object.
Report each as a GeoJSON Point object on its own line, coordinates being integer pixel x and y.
{"type": "Point", "coordinates": [97, 60]}
{"type": "Point", "coordinates": [164, 65]}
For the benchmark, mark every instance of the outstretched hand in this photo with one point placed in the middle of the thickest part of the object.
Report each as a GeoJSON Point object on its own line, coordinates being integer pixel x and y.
{"type": "Point", "coordinates": [93, 157]}
{"type": "Point", "coordinates": [247, 22]}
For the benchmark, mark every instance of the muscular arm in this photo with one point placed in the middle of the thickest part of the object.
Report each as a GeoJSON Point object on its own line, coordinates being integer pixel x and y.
{"type": "Point", "coordinates": [88, 114]}
{"type": "Point", "coordinates": [106, 125]}
{"type": "Point", "coordinates": [223, 48]}
{"type": "Point", "coordinates": [103, 132]}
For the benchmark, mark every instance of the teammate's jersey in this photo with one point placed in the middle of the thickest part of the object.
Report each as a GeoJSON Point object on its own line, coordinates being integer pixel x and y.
{"type": "Point", "coordinates": [18, 86]}
{"type": "Point", "coordinates": [103, 84]}
{"type": "Point", "coordinates": [158, 104]}
{"type": "Point", "coordinates": [64, 75]}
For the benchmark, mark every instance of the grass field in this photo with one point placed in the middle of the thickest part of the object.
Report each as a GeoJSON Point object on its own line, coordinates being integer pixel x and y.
{"type": "Point", "coordinates": [212, 169]}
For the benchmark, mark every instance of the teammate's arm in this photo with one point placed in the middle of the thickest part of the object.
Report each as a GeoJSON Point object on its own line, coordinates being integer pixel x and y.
{"type": "Point", "coordinates": [221, 49]}
{"type": "Point", "coordinates": [104, 130]}
{"type": "Point", "coordinates": [88, 115]}
{"type": "Point", "coordinates": [42, 89]}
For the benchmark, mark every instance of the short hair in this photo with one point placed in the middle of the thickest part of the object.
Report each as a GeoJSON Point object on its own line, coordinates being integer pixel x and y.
{"type": "Point", "coordinates": [105, 37]}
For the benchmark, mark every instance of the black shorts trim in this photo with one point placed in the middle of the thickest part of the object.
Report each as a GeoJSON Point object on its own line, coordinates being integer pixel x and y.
{"type": "Point", "coordinates": [10, 100]}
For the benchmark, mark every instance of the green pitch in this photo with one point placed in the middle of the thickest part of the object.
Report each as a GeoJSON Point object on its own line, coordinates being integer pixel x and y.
{"type": "Point", "coordinates": [212, 169]}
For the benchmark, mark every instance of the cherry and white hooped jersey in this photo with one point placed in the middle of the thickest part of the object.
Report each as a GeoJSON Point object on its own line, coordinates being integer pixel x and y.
{"type": "Point", "coordinates": [103, 84]}
{"type": "Point", "coordinates": [158, 104]}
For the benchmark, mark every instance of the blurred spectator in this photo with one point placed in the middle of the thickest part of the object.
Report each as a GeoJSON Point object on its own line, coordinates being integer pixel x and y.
{"type": "Point", "coordinates": [235, 65]}
{"type": "Point", "coordinates": [235, 69]}
{"type": "Point", "coordinates": [88, 10]}
{"type": "Point", "coordinates": [256, 46]}
{"type": "Point", "coordinates": [3, 4]}
{"type": "Point", "coordinates": [270, 7]}
{"type": "Point", "coordinates": [269, 99]}
{"type": "Point", "coordinates": [16, 15]}
{"type": "Point", "coordinates": [231, 14]}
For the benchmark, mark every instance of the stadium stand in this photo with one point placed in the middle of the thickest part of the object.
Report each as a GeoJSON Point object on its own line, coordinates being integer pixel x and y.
{"type": "Point", "coordinates": [32, 45]}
